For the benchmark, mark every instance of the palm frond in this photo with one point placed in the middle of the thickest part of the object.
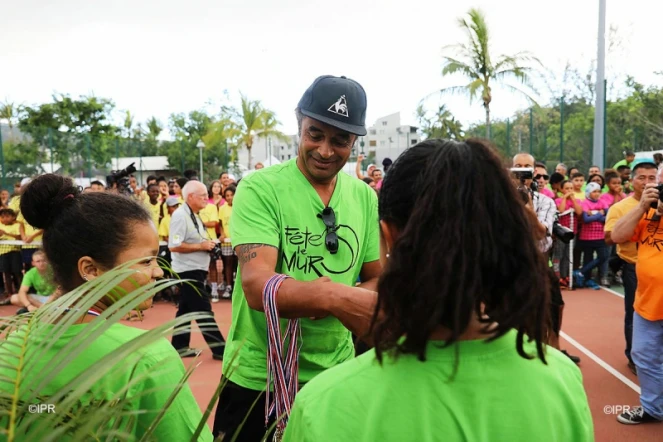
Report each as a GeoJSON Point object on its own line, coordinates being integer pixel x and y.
{"type": "Point", "coordinates": [26, 378]}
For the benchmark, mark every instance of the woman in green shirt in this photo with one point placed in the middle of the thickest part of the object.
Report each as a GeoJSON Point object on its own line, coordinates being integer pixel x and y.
{"type": "Point", "coordinates": [85, 236]}
{"type": "Point", "coordinates": [463, 304]}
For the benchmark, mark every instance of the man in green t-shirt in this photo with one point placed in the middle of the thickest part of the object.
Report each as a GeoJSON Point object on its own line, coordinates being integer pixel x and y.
{"type": "Point", "coordinates": [36, 286]}
{"type": "Point", "coordinates": [629, 157]}
{"type": "Point", "coordinates": [306, 220]}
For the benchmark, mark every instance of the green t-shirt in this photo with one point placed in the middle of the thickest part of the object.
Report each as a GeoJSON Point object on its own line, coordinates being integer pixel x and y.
{"type": "Point", "coordinates": [279, 207]}
{"type": "Point", "coordinates": [622, 163]}
{"type": "Point", "coordinates": [496, 396]}
{"type": "Point", "coordinates": [158, 366]}
{"type": "Point", "coordinates": [34, 279]}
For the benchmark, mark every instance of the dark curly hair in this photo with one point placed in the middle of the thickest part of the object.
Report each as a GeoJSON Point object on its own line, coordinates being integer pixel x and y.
{"type": "Point", "coordinates": [466, 248]}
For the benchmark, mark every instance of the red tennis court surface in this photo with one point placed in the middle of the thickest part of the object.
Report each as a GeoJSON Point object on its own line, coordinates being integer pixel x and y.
{"type": "Point", "coordinates": [592, 329]}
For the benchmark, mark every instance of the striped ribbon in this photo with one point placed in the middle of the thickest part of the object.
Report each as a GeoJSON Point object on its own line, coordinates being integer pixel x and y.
{"type": "Point", "coordinates": [282, 369]}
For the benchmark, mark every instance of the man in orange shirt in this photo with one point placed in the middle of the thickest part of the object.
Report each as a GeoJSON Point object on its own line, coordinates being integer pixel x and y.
{"type": "Point", "coordinates": [643, 174]}
{"type": "Point", "coordinates": [644, 226]}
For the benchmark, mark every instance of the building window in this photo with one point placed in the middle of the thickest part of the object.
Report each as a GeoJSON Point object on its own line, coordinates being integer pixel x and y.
{"type": "Point", "coordinates": [282, 157]}
{"type": "Point", "coordinates": [372, 143]}
{"type": "Point", "coordinates": [381, 131]}
{"type": "Point", "coordinates": [413, 142]}
{"type": "Point", "coordinates": [382, 143]}
{"type": "Point", "coordinates": [371, 131]}
{"type": "Point", "coordinates": [282, 147]}
{"type": "Point", "coordinates": [289, 156]}
{"type": "Point", "coordinates": [384, 123]}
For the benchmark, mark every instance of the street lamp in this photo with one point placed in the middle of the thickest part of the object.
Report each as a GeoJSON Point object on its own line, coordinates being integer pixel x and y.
{"type": "Point", "coordinates": [201, 146]}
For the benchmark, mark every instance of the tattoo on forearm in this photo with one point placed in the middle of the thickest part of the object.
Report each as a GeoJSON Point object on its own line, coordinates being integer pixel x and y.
{"type": "Point", "coordinates": [247, 252]}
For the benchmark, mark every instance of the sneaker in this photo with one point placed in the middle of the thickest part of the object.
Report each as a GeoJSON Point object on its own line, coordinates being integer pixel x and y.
{"type": "Point", "coordinates": [592, 285]}
{"type": "Point", "coordinates": [564, 283]}
{"type": "Point", "coordinates": [636, 415]}
{"type": "Point", "coordinates": [632, 367]}
{"type": "Point", "coordinates": [618, 278]}
{"type": "Point", "coordinates": [578, 278]}
{"type": "Point", "coordinates": [605, 282]}
{"type": "Point", "coordinates": [215, 296]}
{"type": "Point", "coordinates": [575, 359]}
{"type": "Point", "coordinates": [228, 293]}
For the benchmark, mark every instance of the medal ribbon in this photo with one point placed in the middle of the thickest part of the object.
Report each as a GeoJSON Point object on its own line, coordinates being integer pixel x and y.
{"type": "Point", "coordinates": [282, 369]}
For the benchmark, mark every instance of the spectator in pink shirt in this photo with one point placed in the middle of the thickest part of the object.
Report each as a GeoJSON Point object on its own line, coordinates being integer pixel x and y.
{"type": "Point", "coordinates": [541, 177]}
{"type": "Point", "coordinates": [566, 205]}
{"type": "Point", "coordinates": [592, 238]}
{"type": "Point", "coordinates": [615, 191]}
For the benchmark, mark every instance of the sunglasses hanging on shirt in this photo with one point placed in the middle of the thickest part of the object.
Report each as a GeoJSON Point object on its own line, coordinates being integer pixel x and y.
{"type": "Point", "coordinates": [331, 238]}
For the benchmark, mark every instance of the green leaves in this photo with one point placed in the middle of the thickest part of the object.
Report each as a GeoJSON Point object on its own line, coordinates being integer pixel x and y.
{"type": "Point", "coordinates": [123, 392]}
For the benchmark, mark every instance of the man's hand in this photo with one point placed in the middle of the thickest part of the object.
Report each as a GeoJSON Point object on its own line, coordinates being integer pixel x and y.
{"type": "Point", "coordinates": [360, 158]}
{"type": "Point", "coordinates": [207, 245]}
{"type": "Point", "coordinates": [649, 195]}
{"type": "Point", "coordinates": [354, 307]}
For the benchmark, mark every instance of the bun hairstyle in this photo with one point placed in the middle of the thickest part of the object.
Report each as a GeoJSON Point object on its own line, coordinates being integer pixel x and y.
{"type": "Point", "coordinates": [76, 224]}
{"type": "Point", "coordinates": [465, 248]}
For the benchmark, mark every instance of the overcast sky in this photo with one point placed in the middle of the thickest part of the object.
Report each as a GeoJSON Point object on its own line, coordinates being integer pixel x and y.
{"type": "Point", "coordinates": [158, 57]}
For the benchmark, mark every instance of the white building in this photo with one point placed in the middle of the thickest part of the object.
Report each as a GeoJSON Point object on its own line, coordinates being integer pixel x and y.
{"type": "Point", "coordinates": [269, 150]}
{"type": "Point", "coordinates": [388, 138]}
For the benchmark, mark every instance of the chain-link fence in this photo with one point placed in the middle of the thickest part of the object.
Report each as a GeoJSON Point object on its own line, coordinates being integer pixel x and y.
{"type": "Point", "coordinates": [565, 134]}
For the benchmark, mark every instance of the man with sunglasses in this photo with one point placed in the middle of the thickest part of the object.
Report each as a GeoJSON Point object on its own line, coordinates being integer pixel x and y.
{"type": "Point", "coordinates": [545, 211]}
{"type": "Point", "coordinates": [308, 220]}
{"type": "Point", "coordinates": [542, 178]}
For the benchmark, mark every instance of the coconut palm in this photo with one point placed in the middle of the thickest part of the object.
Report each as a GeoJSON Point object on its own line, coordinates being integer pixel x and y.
{"type": "Point", "coordinates": [473, 60]}
{"type": "Point", "coordinates": [252, 119]}
{"type": "Point", "coordinates": [9, 112]}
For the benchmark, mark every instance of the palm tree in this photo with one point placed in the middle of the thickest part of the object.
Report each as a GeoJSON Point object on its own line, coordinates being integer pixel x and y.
{"type": "Point", "coordinates": [473, 60]}
{"type": "Point", "coordinates": [252, 119]}
{"type": "Point", "coordinates": [9, 111]}
{"type": "Point", "coordinates": [154, 128]}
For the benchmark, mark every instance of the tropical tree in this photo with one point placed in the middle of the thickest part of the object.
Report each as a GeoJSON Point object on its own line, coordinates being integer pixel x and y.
{"type": "Point", "coordinates": [9, 112]}
{"type": "Point", "coordinates": [74, 129]}
{"type": "Point", "coordinates": [474, 60]}
{"type": "Point", "coordinates": [252, 119]}
{"type": "Point", "coordinates": [439, 124]}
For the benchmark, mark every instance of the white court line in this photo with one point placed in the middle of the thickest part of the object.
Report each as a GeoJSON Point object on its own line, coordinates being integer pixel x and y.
{"type": "Point", "coordinates": [613, 292]}
{"type": "Point", "coordinates": [601, 362]}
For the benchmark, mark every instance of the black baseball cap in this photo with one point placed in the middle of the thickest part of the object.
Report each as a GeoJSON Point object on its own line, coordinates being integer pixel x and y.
{"type": "Point", "coordinates": [337, 101]}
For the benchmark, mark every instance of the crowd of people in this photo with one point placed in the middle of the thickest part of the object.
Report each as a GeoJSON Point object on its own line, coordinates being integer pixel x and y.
{"type": "Point", "coordinates": [398, 261]}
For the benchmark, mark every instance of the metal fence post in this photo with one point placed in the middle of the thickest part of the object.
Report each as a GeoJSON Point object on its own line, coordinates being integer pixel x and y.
{"type": "Point", "coordinates": [561, 130]}
{"type": "Point", "coordinates": [531, 131]}
{"type": "Point", "coordinates": [89, 155]}
{"type": "Point", "coordinates": [508, 137]}
{"type": "Point", "coordinates": [2, 162]}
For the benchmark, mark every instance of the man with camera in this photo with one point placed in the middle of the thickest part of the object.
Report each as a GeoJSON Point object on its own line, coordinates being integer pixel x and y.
{"type": "Point", "coordinates": [545, 210]}
{"type": "Point", "coordinates": [190, 248]}
{"type": "Point", "coordinates": [627, 252]}
{"type": "Point", "coordinates": [643, 225]}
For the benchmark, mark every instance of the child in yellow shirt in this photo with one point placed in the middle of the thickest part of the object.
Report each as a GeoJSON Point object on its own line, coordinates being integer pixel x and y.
{"type": "Point", "coordinates": [11, 264]}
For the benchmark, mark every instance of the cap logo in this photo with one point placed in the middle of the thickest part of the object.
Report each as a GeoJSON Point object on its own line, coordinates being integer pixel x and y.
{"type": "Point", "coordinates": [340, 107]}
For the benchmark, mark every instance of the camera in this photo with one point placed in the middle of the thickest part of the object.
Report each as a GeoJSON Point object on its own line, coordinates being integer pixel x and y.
{"type": "Point", "coordinates": [215, 253]}
{"type": "Point", "coordinates": [562, 233]}
{"type": "Point", "coordinates": [654, 205]}
{"type": "Point", "coordinates": [121, 179]}
{"type": "Point", "coordinates": [523, 173]}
